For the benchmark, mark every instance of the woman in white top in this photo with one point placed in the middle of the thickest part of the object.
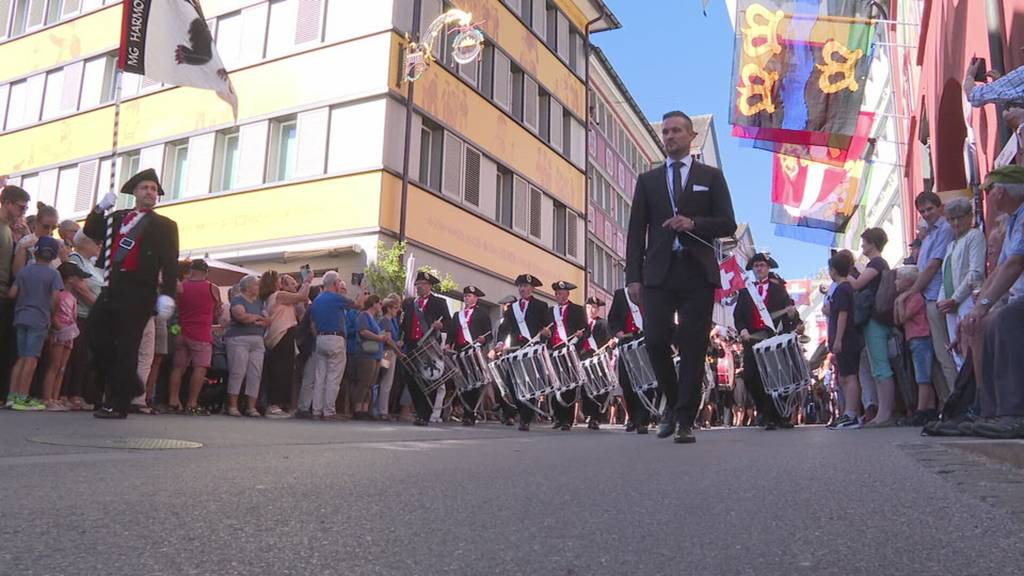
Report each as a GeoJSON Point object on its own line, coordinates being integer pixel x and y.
{"type": "Point", "coordinates": [963, 268]}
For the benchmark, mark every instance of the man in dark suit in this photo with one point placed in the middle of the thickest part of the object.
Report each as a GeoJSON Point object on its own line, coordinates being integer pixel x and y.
{"type": "Point", "coordinates": [522, 321]}
{"type": "Point", "coordinates": [598, 337]}
{"type": "Point", "coordinates": [470, 327]}
{"type": "Point", "coordinates": [420, 315]}
{"type": "Point", "coordinates": [626, 322]}
{"type": "Point", "coordinates": [569, 321]}
{"type": "Point", "coordinates": [678, 210]}
{"type": "Point", "coordinates": [753, 329]}
{"type": "Point", "coordinates": [139, 248]}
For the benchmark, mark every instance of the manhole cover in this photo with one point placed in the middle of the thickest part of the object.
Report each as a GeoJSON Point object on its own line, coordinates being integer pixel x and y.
{"type": "Point", "coordinates": [121, 443]}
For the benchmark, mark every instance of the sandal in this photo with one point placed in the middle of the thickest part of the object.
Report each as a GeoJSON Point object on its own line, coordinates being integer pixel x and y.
{"type": "Point", "coordinates": [174, 409]}
{"type": "Point", "coordinates": [252, 413]}
{"type": "Point", "coordinates": [148, 410]}
{"type": "Point", "coordinates": [234, 412]}
{"type": "Point", "coordinates": [197, 411]}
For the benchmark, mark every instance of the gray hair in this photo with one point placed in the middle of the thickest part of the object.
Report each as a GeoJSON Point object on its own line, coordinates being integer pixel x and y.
{"type": "Point", "coordinates": [958, 207]}
{"type": "Point", "coordinates": [1016, 191]}
{"type": "Point", "coordinates": [247, 281]}
{"type": "Point", "coordinates": [68, 225]}
{"type": "Point", "coordinates": [330, 279]}
{"type": "Point", "coordinates": [907, 272]}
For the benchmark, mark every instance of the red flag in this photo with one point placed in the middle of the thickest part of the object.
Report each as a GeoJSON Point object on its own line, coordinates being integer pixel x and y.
{"type": "Point", "coordinates": [732, 278]}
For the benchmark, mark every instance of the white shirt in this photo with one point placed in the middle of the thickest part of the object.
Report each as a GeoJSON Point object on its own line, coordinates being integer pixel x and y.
{"type": "Point", "coordinates": [684, 172]}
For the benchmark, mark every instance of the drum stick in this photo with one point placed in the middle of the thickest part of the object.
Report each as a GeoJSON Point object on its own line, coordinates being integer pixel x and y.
{"type": "Point", "coordinates": [535, 338]}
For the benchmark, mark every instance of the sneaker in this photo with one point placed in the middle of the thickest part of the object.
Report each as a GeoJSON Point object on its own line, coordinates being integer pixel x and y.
{"type": "Point", "coordinates": [9, 404]}
{"type": "Point", "coordinates": [27, 405]}
{"type": "Point", "coordinates": [845, 423]}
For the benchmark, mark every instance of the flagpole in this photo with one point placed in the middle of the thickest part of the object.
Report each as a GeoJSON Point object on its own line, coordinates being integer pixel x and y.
{"type": "Point", "coordinates": [118, 74]}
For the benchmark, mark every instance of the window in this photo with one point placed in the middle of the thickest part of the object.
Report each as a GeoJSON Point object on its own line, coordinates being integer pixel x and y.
{"type": "Point", "coordinates": [283, 140]}
{"type": "Point", "coordinates": [229, 39]}
{"type": "Point", "coordinates": [544, 114]}
{"type": "Point", "coordinates": [431, 146]}
{"type": "Point", "coordinates": [551, 27]}
{"type": "Point", "coordinates": [560, 229]}
{"type": "Point", "coordinates": [176, 169]}
{"type": "Point", "coordinates": [53, 94]}
{"type": "Point", "coordinates": [281, 27]}
{"type": "Point", "coordinates": [53, 11]}
{"type": "Point", "coordinates": [129, 167]}
{"type": "Point", "coordinates": [504, 203]}
{"type": "Point", "coordinates": [20, 17]}
{"type": "Point", "coordinates": [518, 80]}
{"type": "Point", "coordinates": [227, 159]}
{"type": "Point", "coordinates": [487, 71]}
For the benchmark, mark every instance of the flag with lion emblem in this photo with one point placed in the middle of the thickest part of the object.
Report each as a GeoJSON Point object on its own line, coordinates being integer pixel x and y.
{"type": "Point", "coordinates": [170, 42]}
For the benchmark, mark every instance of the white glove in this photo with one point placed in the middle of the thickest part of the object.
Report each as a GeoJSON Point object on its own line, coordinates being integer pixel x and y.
{"type": "Point", "coordinates": [107, 202]}
{"type": "Point", "coordinates": [164, 307]}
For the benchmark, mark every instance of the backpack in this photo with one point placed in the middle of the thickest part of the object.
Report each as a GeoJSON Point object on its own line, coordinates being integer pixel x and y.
{"type": "Point", "coordinates": [885, 298]}
{"type": "Point", "coordinates": [863, 307]}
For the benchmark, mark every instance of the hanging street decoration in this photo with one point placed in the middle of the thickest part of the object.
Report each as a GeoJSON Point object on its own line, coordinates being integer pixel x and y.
{"type": "Point", "coordinates": [466, 46]}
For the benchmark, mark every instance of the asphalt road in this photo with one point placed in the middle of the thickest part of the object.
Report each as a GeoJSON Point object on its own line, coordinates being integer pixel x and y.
{"type": "Point", "coordinates": [297, 497]}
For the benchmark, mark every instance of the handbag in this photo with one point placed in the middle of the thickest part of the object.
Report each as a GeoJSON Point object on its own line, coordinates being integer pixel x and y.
{"type": "Point", "coordinates": [370, 346]}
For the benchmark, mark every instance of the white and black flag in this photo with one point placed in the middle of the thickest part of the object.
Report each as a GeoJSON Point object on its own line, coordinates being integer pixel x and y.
{"type": "Point", "coordinates": [170, 42]}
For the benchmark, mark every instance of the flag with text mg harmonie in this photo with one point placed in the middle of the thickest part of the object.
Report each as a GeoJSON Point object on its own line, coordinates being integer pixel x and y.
{"type": "Point", "coordinates": [170, 42]}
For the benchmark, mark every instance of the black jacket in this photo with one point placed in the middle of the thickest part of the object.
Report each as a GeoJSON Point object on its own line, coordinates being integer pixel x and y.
{"type": "Point", "coordinates": [649, 244]}
{"type": "Point", "coordinates": [158, 249]}
{"type": "Point", "coordinates": [600, 332]}
{"type": "Point", "coordinates": [479, 325]}
{"type": "Point", "coordinates": [435, 309]}
{"type": "Point", "coordinates": [536, 319]}
{"type": "Point", "coordinates": [575, 320]}
{"type": "Point", "coordinates": [618, 312]}
{"type": "Point", "coordinates": [778, 299]}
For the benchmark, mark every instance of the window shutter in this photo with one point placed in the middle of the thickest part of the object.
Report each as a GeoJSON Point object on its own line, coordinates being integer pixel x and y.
{"type": "Point", "coordinates": [520, 205]}
{"type": "Point", "coordinates": [85, 192]}
{"type": "Point", "coordinates": [34, 98]}
{"type": "Point", "coordinates": [530, 103]}
{"type": "Point", "coordinates": [200, 164]}
{"type": "Point", "coordinates": [451, 179]}
{"type": "Point", "coordinates": [67, 190]}
{"type": "Point", "coordinates": [47, 188]}
{"type": "Point", "coordinates": [576, 147]}
{"type": "Point", "coordinates": [72, 86]}
{"type": "Point", "coordinates": [557, 129]}
{"type": "Point", "coordinates": [488, 195]}
{"type": "Point", "coordinates": [502, 81]}
{"type": "Point", "coordinates": [252, 153]}
{"type": "Point", "coordinates": [307, 28]}
{"type": "Point", "coordinates": [571, 230]}
{"type": "Point", "coordinates": [312, 142]}
{"type": "Point", "coordinates": [563, 36]}
{"type": "Point", "coordinates": [471, 182]}
{"type": "Point", "coordinates": [254, 33]}
{"type": "Point", "coordinates": [547, 220]}
{"type": "Point", "coordinates": [540, 10]}
{"type": "Point", "coordinates": [536, 199]}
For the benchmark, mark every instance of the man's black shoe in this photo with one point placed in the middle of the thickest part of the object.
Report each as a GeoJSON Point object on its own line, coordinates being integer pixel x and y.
{"type": "Point", "coordinates": [556, 425]}
{"type": "Point", "coordinates": [684, 436]}
{"type": "Point", "coordinates": [642, 430]}
{"type": "Point", "coordinates": [566, 427]}
{"type": "Point", "coordinates": [508, 422]}
{"type": "Point", "coordinates": [420, 422]}
{"type": "Point", "coordinates": [524, 427]}
{"type": "Point", "coordinates": [666, 428]}
{"type": "Point", "coordinates": [106, 413]}
{"type": "Point", "coordinates": [786, 425]}
{"type": "Point", "coordinates": [770, 426]}
{"type": "Point", "coordinates": [593, 425]}
{"type": "Point", "coordinates": [630, 427]}
{"type": "Point", "coordinates": [469, 422]}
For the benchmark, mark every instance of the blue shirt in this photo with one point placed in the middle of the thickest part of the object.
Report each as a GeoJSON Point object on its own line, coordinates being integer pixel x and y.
{"type": "Point", "coordinates": [934, 248]}
{"type": "Point", "coordinates": [36, 284]}
{"type": "Point", "coordinates": [328, 312]}
{"type": "Point", "coordinates": [352, 331]}
{"type": "Point", "coordinates": [1013, 245]}
{"type": "Point", "coordinates": [366, 321]}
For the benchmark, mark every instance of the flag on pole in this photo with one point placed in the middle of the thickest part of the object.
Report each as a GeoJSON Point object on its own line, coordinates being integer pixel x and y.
{"type": "Point", "coordinates": [170, 42]}
{"type": "Point", "coordinates": [731, 277]}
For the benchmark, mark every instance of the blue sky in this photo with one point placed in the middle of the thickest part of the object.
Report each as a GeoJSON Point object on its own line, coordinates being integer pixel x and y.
{"type": "Point", "coordinates": [672, 57]}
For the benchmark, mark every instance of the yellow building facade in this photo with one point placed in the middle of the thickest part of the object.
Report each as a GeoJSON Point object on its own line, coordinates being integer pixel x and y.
{"type": "Point", "coordinates": [312, 170]}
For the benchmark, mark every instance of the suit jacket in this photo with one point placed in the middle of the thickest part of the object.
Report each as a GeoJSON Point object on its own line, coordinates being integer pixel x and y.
{"type": "Point", "coordinates": [649, 244]}
{"type": "Point", "coordinates": [158, 249]}
{"type": "Point", "coordinates": [536, 319]}
{"type": "Point", "coordinates": [435, 309]}
{"type": "Point", "coordinates": [778, 298]}
{"type": "Point", "coordinates": [575, 320]}
{"type": "Point", "coordinates": [618, 312]}
{"type": "Point", "coordinates": [479, 324]}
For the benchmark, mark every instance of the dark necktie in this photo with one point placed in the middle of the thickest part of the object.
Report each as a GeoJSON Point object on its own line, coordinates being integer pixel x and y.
{"type": "Point", "coordinates": [677, 182]}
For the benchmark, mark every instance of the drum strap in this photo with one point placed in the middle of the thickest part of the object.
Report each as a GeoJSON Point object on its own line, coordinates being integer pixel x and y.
{"type": "Point", "coordinates": [464, 322]}
{"type": "Point", "coordinates": [559, 324]}
{"type": "Point", "coordinates": [520, 315]}
{"type": "Point", "coordinates": [638, 318]}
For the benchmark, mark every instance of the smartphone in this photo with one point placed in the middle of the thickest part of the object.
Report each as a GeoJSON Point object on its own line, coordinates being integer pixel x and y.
{"type": "Point", "coordinates": [979, 74]}
{"type": "Point", "coordinates": [305, 273]}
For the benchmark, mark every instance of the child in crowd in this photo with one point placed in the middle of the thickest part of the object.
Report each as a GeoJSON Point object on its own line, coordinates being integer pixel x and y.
{"type": "Point", "coordinates": [844, 341]}
{"type": "Point", "coordinates": [35, 292]}
{"type": "Point", "coordinates": [909, 312]}
{"type": "Point", "coordinates": [63, 332]}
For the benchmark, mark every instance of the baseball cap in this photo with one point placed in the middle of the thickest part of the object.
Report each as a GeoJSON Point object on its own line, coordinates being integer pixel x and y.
{"type": "Point", "coordinates": [48, 245]}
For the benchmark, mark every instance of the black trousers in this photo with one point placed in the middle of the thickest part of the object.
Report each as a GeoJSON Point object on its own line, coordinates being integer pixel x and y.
{"type": "Point", "coordinates": [565, 414]}
{"type": "Point", "coordinates": [469, 401]}
{"type": "Point", "coordinates": [686, 293]}
{"type": "Point", "coordinates": [7, 343]}
{"type": "Point", "coordinates": [279, 369]}
{"type": "Point", "coordinates": [755, 385]}
{"type": "Point", "coordinates": [80, 376]}
{"type": "Point", "coordinates": [116, 322]}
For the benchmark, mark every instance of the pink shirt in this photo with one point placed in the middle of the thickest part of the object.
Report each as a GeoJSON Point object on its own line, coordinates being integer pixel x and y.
{"type": "Point", "coordinates": [915, 319]}
{"type": "Point", "coordinates": [66, 311]}
{"type": "Point", "coordinates": [195, 310]}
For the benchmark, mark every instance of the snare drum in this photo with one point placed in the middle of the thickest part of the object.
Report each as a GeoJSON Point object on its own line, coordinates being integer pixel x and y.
{"type": "Point", "coordinates": [476, 373]}
{"type": "Point", "coordinates": [599, 375]}
{"type": "Point", "coordinates": [783, 370]}
{"type": "Point", "coordinates": [638, 366]}
{"type": "Point", "coordinates": [532, 372]}
{"type": "Point", "coordinates": [430, 367]}
{"type": "Point", "coordinates": [566, 362]}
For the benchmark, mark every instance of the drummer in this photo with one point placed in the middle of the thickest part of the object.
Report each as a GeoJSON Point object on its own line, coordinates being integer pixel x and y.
{"type": "Point", "coordinates": [508, 406]}
{"type": "Point", "coordinates": [626, 322]}
{"type": "Point", "coordinates": [469, 327]}
{"type": "Point", "coordinates": [599, 337]}
{"type": "Point", "coordinates": [753, 329]}
{"type": "Point", "coordinates": [523, 321]}
{"type": "Point", "coordinates": [426, 314]}
{"type": "Point", "coordinates": [569, 322]}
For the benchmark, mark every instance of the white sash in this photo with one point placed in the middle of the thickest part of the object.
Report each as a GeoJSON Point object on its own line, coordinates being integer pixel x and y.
{"type": "Point", "coordinates": [590, 341]}
{"type": "Point", "coordinates": [638, 318]}
{"type": "Point", "coordinates": [758, 301]}
{"type": "Point", "coordinates": [559, 325]}
{"type": "Point", "coordinates": [520, 315]}
{"type": "Point", "coordinates": [464, 321]}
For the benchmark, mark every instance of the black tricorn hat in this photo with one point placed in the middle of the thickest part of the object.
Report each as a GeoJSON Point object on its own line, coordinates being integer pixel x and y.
{"type": "Point", "coordinates": [474, 291]}
{"type": "Point", "coordinates": [563, 285]}
{"type": "Point", "coordinates": [762, 257]}
{"type": "Point", "coordinates": [595, 301]}
{"type": "Point", "coordinates": [147, 174]}
{"type": "Point", "coordinates": [528, 279]}
{"type": "Point", "coordinates": [424, 276]}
